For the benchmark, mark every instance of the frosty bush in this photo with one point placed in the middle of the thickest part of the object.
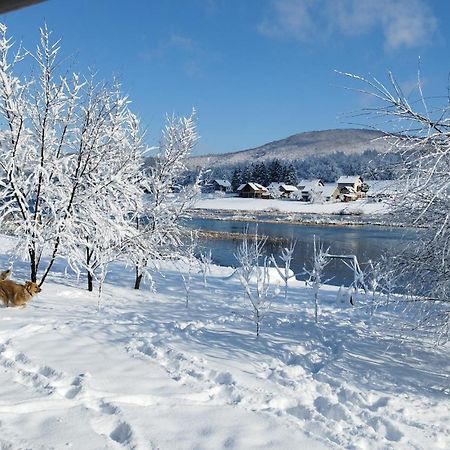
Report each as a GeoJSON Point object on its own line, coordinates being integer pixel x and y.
{"type": "Point", "coordinates": [316, 273]}
{"type": "Point", "coordinates": [254, 275]}
{"type": "Point", "coordinates": [420, 137]}
{"type": "Point", "coordinates": [287, 255]}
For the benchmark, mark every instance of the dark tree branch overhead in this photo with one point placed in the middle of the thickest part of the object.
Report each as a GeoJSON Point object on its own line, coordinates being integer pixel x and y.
{"type": "Point", "coordinates": [11, 5]}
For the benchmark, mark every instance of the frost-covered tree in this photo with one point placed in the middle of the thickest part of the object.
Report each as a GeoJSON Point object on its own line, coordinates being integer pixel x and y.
{"type": "Point", "coordinates": [68, 163]}
{"type": "Point", "coordinates": [420, 138]}
{"type": "Point", "coordinates": [35, 115]}
{"type": "Point", "coordinates": [275, 171]}
{"type": "Point", "coordinates": [159, 223]}
{"type": "Point", "coordinates": [247, 174]}
{"type": "Point", "coordinates": [108, 187]}
{"type": "Point", "coordinates": [259, 173]}
{"type": "Point", "coordinates": [236, 179]}
{"type": "Point", "coordinates": [291, 175]}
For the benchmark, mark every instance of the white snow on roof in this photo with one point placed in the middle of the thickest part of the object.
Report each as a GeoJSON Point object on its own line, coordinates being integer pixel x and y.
{"type": "Point", "coordinates": [224, 183]}
{"type": "Point", "coordinates": [302, 184]}
{"type": "Point", "coordinates": [310, 185]}
{"type": "Point", "coordinates": [288, 188]}
{"type": "Point", "coordinates": [254, 186]}
{"type": "Point", "coordinates": [257, 187]}
{"type": "Point", "coordinates": [349, 179]}
{"type": "Point", "coordinates": [328, 190]}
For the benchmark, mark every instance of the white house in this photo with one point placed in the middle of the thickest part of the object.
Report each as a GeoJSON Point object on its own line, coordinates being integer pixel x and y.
{"type": "Point", "coordinates": [350, 187]}
{"type": "Point", "coordinates": [330, 192]}
{"type": "Point", "coordinates": [221, 185]}
{"type": "Point", "coordinates": [309, 189]}
{"type": "Point", "coordinates": [281, 189]}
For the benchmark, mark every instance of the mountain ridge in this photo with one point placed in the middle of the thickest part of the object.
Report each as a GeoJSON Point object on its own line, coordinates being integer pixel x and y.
{"type": "Point", "coordinates": [299, 146]}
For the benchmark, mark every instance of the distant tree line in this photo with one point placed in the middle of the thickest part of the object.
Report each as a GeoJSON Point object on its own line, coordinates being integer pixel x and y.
{"type": "Point", "coordinates": [264, 173]}
{"type": "Point", "coordinates": [369, 164]}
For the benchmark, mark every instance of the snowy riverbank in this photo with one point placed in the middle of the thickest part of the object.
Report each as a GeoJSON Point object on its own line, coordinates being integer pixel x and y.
{"type": "Point", "coordinates": [360, 212]}
{"type": "Point", "coordinates": [146, 372]}
{"type": "Point", "coordinates": [228, 203]}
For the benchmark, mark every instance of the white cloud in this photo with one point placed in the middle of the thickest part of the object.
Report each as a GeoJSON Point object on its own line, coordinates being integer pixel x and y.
{"type": "Point", "coordinates": [403, 23]}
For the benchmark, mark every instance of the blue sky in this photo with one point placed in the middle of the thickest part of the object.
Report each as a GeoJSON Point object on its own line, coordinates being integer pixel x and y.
{"type": "Point", "coordinates": [255, 70]}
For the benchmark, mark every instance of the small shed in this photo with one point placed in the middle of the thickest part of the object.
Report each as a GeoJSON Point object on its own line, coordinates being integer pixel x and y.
{"type": "Point", "coordinates": [253, 190]}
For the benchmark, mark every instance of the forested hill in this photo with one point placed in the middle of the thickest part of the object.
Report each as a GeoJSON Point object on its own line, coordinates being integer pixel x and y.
{"type": "Point", "coordinates": [298, 147]}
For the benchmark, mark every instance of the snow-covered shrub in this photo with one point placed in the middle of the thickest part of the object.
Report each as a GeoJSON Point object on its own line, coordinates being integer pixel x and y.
{"type": "Point", "coordinates": [316, 273]}
{"type": "Point", "coordinates": [351, 211]}
{"type": "Point", "coordinates": [254, 275]}
{"type": "Point", "coordinates": [423, 194]}
{"type": "Point", "coordinates": [206, 261]}
{"type": "Point", "coordinates": [187, 265]}
{"type": "Point", "coordinates": [287, 254]}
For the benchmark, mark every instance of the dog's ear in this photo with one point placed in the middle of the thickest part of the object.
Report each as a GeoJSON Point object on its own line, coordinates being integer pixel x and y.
{"type": "Point", "coordinates": [5, 274]}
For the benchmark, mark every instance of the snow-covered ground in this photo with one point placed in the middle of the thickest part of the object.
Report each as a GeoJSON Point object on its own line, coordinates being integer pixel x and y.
{"type": "Point", "coordinates": [146, 372]}
{"type": "Point", "coordinates": [229, 203]}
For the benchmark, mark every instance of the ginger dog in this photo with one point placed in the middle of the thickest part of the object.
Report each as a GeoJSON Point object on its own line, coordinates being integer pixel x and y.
{"type": "Point", "coordinates": [14, 294]}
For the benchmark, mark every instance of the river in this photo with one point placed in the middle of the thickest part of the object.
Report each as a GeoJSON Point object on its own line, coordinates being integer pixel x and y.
{"type": "Point", "coordinates": [366, 242]}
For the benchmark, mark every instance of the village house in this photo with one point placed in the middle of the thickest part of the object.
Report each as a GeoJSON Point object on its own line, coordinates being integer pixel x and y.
{"type": "Point", "coordinates": [330, 193]}
{"type": "Point", "coordinates": [217, 186]}
{"type": "Point", "coordinates": [281, 190]}
{"type": "Point", "coordinates": [309, 189]}
{"type": "Point", "coordinates": [253, 190]}
{"type": "Point", "coordinates": [350, 188]}
{"type": "Point", "coordinates": [221, 185]}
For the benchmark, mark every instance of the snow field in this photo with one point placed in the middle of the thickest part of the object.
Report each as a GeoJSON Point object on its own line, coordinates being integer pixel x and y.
{"type": "Point", "coordinates": [291, 206]}
{"type": "Point", "coordinates": [145, 372]}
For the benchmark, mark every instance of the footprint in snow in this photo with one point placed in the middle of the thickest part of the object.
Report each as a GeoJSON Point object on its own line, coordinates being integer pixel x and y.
{"type": "Point", "coordinates": [108, 408]}
{"type": "Point", "coordinates": [77, 386]}
{"type": "Point", "coordinates": [386, 428]}
{"type": "Point", "coordinates": [333, 411]}
{"type": "Point", "coordinates": [25, 372]}
{"type": "Point", "coordinates": [122, 434]}
{"type": "Point", "coordinates": [380, 403]}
